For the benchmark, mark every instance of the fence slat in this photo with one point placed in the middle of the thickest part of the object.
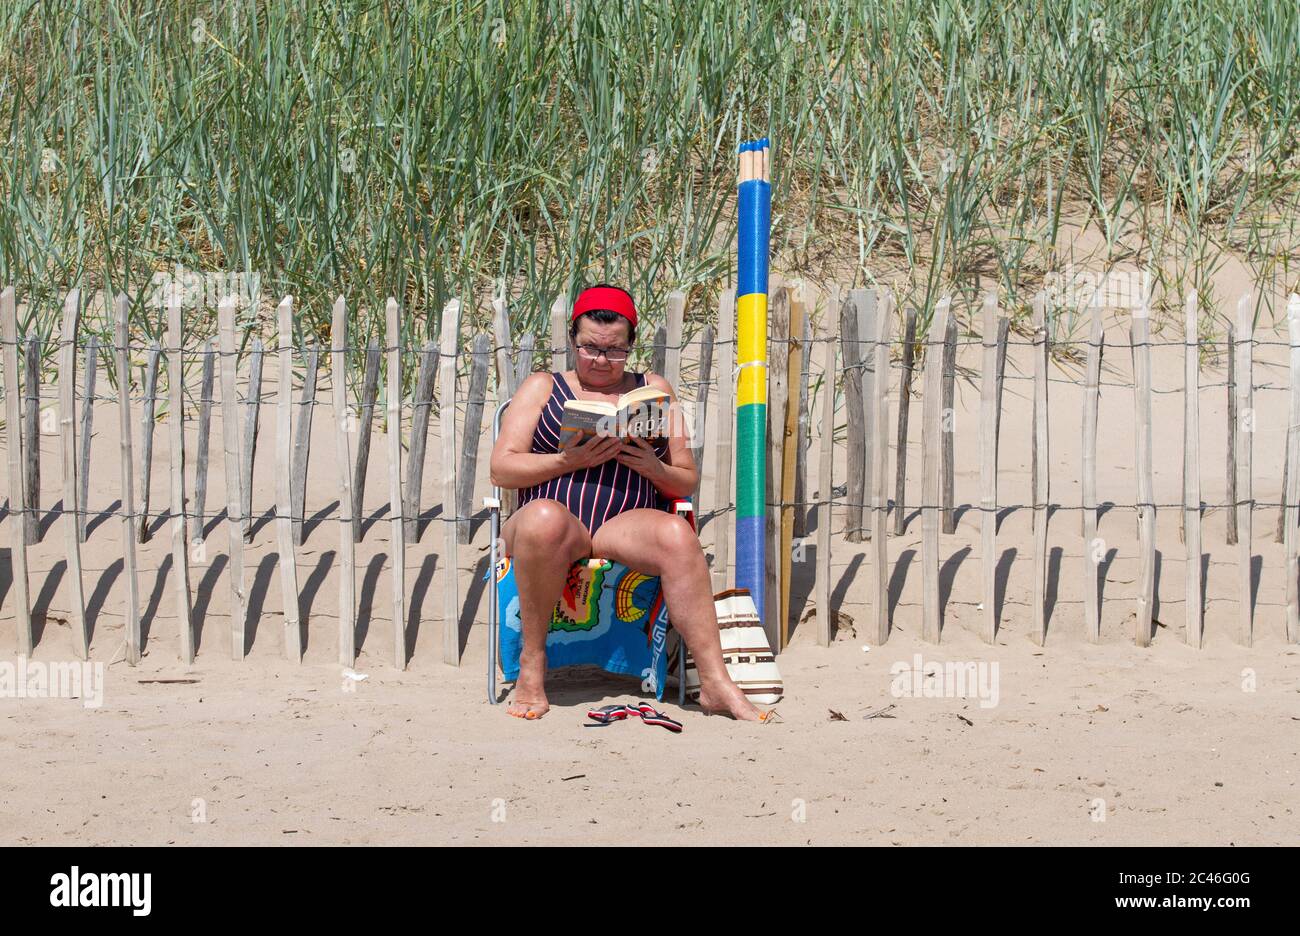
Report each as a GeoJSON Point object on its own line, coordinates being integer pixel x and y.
{"type": "Point", "coordinates": [508, 376]}
{"type": "Point", "coordinates": [675, 312]}
{"type": "Point", "coordinates": [1141, 340]}
{"type": "Point", "coordinates": [419, 441]}
{"type": "Point", "coordinates": [470, 436]}
{"type": "Point", "coordinates": [880, 470]}
{"type": "Point", "coordinates": [393, 339]}
{"type": "Point", "coordinates": [657, 356]}
{"type": "Point", "coordinates": [128, 483]}
{"type": "Point", "coordinates": [67, 434]}
{"type": "Point", "coordinates": [205, 433]}
{"type": "Point", "coordinates": [931, 420]}
{"type": "Point", "coordinates": [302, 443]}
{"type": "Point", "coordinates": [825, 477]}
{"type": "Point", "coordinates": [1245, 442]}
{"type": "Point", "coordinates": [146, 437]}
{"type": "Point", "coordinates": [176, 421]}
{"type": "Point", "coordinates": [700, 426]}
{"type": "Point", "coordinates": [343, 427]}
{"type": "Point", "coordinates": [1004, 331]}
{"type": "Point", "coordinates": [855, 476]}
{"type": "Point", "coordinates": [868, 314]}
{"type": "Point", "coordinates": [1231, 470]}
{"type": "Point", "coordinates": [723, 522]}
{"type": "Point", "coordinates": [1042, 470]}
{"type": "Point", "coordinates": [1192, 469]}
{"type": "Point", "coordinates": [252, 415]}
{"type": "Point", "coordinates": [284, 509]}
{"type": "Point", "coordinates": [524, 366]}
{"type": "Point", "coordinates": [560, 334]}
{"type": "Point", "coordinates": [447, 432]}
{"type": "Point", "coordinates": [989, 464]}
{"type": "Point", "coordinates": [369, 396]}
{"type": "Point", "coordinates": [1292, 488]}
{"type": "Point", "coordinates": [32, 440]}
{"type": "Point", "coordinates": [904, 404]}
{"type": "Point", "coordinates": [790, 419]}
{"type": "Point", "coordinates": [14, 451]}
{"type": "Point", "coordinates": [948, 419]}
{"type": "Point", "coordinates": [801, 443]}
{"type": "Point", "coordinates": [778, 352]}
{"type": "Point", "coordinates": [87, 434]}
{"type": "Point", "coordinates": [230, 436]}
{"type": "Point", "coordinates": [1088, 483]}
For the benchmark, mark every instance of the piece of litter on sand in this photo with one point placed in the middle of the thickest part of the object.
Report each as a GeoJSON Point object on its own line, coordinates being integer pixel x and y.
{"type": "Point", "coordinates": [966, 720]}
{"type": "Point", "coordinates": [354, 676]}
{"type": "Point", "coordinates": [881, 713]}
{"type": "Point", "coordinates": [185, 682]}
{"type": "Point", "coordinates": [866, 649]}
{"type": "Point", "coordinates": [836, 716]}
{"type": "Point", "coordinates": [577, 776]}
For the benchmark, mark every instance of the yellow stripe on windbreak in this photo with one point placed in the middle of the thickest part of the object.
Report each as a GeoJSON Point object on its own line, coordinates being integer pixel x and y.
{"type": "Point", "coordinates": [752, 386]}
{"type": "Point", "coordinates": [751, 327]}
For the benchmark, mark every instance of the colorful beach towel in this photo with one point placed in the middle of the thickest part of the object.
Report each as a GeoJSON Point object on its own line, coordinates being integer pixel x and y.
{"type": "Point", "coordinates": [607, 616]}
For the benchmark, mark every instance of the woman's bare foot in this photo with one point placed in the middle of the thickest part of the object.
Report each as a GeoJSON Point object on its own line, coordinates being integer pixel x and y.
{"type": "Point", "coordinates": [727, 699]}
{"type": "Point", "coordinates": [530, 694]}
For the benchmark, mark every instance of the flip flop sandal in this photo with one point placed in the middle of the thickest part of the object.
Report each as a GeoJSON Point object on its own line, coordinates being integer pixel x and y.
{"type": "Point", "coordinates": [609, 713]}
{"type": "Point", "coordinates": [651, 716]}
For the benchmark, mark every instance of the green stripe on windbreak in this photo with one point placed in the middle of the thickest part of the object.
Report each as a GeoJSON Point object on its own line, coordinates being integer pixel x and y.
{"type": "Point", "coordinates": [751, 460]}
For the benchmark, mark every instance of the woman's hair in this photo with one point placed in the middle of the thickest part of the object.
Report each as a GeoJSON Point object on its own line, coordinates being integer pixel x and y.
{"type": "Point", "coordinates": [604, 317]}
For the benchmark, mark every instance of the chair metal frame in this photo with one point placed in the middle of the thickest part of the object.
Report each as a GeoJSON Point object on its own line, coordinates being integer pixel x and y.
{"type": "Point", "coordinates": [493, 503]}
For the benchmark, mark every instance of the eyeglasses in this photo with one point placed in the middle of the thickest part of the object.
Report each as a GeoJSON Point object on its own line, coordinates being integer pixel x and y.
{"type": "Point", "coordinates": [613, 355]}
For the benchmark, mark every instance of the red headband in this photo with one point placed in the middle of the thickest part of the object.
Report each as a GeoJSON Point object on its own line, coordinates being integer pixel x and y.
{"type": "Point", "coordinates": [606, 297]}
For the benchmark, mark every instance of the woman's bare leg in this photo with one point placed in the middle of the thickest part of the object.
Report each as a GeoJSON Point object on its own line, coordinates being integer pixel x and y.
{"type": "Point", "coordinates": [542, 539]}
{"type": "Point", "coordinates": [659, 543]}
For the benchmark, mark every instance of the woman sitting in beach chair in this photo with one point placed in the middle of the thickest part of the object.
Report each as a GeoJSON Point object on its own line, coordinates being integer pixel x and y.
{"type": "Point", "coordinates": [603, 498]}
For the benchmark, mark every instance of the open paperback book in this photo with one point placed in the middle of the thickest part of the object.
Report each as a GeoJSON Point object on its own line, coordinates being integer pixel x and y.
{"type": "Point", "coordinates": [641, 413]}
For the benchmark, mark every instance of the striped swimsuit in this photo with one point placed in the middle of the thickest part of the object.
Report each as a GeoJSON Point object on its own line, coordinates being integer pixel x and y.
{"type": "Point", "coordinates": [595, 494]}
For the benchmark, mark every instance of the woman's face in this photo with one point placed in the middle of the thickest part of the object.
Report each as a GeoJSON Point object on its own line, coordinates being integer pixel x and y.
{"type": "Point", "coordinates": [601, 372]}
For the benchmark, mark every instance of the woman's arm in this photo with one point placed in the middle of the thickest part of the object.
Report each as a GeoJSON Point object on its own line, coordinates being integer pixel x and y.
{"type": "Point", "coordinates": [676, 475]}
{"type": "Point", "coordinates": [514, 464]}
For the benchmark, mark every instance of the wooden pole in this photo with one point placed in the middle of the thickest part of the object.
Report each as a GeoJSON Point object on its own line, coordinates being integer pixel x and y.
{"type": "Point", "coordinates": [147, 422]}
{"type": "Point", "coordinates": [1231, 470]}
{"type": "Point", "coordinates": [948, 426]}
{"type": "Point", "coordinates": [675, 312]}
{"type": "Point", "coordinates": [880, 470]}
{"type": "Point", "coordinates": [180, 543]}
{"type": "Point", "coordinates": [1245, 441]}
{"type": "Point", "coordinates": [904, 404]}
{"type": "Point", "coordinates": [14, 447]}
{"type": "Point", "coordinates": [1042, 469]}
{"type": "Point", "coordinates": [801, 439]}
{"type": "Point", "coordinates": [447, 432]}
{"type": "Point", "coordinates": [794, 360]}
{"type": "Point", "coordinates": [230, 436]}
{"type": "Point", "coordinates": [1091, 544]}
{"type": "Point", "coordinates": [778, 374]}
{"type": "Point", "coordinates": [397, 539]}
{"type": "Point", "coordinates": [369, 394]}
{"type": "Point", "coordinates": [1291, 496]}
{"type": "Point", "coordinates": [67, 430]}
{"type": "Point", "coordinates": [253, 412]}
{"type": "Point", "coordinates": [205, 433]}
{"type": "Point", "coordinates": [1192, 469]}
{"type": "Point", "coordinates": [419, 441]}
{"type": "Point", "coordinates": [87, 434]}
{"type": "Point", "coordinates": [128, 484]}
{"type": "Point", "coordinates": [701, 419]}
{"type": "Point", "coordinates": [724, 523]}
{"type": "Point", "coordinates": [825, 478]}
{"type": "Point", "coordinates": [989, 465]}
{"type": "Point", "coordinates": [855, 419]}
{"type": "Point", "coordinates": [343, 428]}
{"type": "Point", "coordinates": [931, 420]}
{"type": "Point", "coordinates": [1141, 339]}
{"type": "Point", "coordinates": [32, 440]}
{"type": "Point", "coordinates": [284, 508]}
{"type": "Point", "coordinates": [302, 443]}
{"type": "Point", "coordinates": [868, 306]}
{"type": "Point", "coordinates": [560, 334]}
{"type": "Point", "coordinates": [470, 438]}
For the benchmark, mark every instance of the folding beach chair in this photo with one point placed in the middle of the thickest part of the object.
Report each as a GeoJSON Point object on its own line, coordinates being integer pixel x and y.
{"type": "Point", "coordinates": [608, 615]}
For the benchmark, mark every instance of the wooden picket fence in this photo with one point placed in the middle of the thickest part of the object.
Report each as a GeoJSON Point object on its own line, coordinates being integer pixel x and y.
{"type": "Point", "coordinates": [854, 342]}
